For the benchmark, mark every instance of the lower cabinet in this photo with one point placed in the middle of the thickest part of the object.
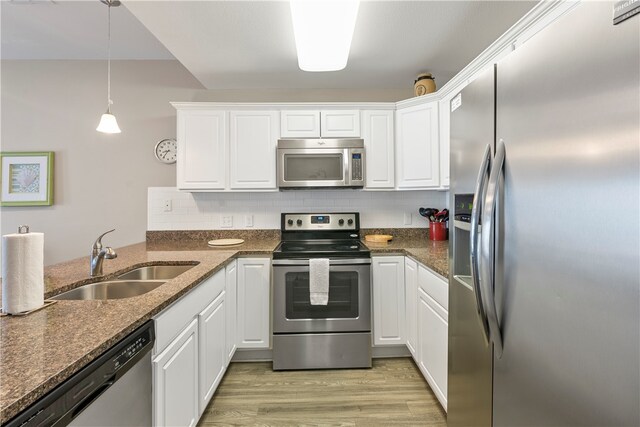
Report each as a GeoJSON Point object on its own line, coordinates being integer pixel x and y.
{"type": "Point", "coordinates": [433, 345]}
{"type": "Point", "coordinates": [388, 300]}
{"type": "Point", "coordinates": [411, 304]}
{"type": "Point", "coordinates": [175, 381]}
{"type": "Point", "coordinates": [254, 302]}
{"type": "Point", "coordinates": [231, 298]}
{"type": "Point", "coordinates": [197, 335]}
{"type": "Point", "coordinates": [213, 348]}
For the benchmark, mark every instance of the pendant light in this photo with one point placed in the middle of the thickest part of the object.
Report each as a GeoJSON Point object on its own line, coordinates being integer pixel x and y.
{"type": "Point", "coordinates": [108, 123]}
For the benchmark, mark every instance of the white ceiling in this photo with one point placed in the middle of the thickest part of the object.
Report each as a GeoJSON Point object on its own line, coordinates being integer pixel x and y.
{"type": "Point", "coordinates": [73, 30]}
{"type": "Point", "coordinates": [249, 44]}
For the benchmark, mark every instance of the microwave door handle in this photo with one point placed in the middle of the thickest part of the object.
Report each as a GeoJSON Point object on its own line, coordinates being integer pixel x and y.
{"type": "Point", "coordinates": [346, 172]}
{"type": "Point", "coordinates": [474, 236]}
{"type": "Point", "coordinates": [487, 248]}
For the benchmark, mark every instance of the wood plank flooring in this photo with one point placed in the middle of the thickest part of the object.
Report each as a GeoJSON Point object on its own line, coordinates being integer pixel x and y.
{"type": "Point", "coordinates": [392, 393]}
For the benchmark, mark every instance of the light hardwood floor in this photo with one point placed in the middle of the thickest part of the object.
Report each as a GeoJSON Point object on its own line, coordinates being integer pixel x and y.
{"type": "Point", "coordinates": [392, 393]}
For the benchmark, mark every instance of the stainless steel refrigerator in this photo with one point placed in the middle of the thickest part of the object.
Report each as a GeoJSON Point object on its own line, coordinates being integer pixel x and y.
{"type": "Point", "coordinates": [544, 321]}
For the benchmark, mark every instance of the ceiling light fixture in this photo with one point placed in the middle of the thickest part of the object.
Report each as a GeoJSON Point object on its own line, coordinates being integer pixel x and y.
{"type": "Point", "coordinates": [323, 30]}
{"type": "Point", "coordinates": [108, 123]}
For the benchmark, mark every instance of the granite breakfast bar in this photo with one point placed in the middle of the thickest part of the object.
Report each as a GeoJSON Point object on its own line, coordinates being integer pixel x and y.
{"type": "Point", "coordinates": [41, 350]}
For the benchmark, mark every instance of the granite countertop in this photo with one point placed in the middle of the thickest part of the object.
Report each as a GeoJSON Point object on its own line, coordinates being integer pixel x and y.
{"type": "Point", "coordinates": [42, 349]}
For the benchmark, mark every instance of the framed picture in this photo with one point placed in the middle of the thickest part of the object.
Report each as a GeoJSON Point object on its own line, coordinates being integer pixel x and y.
{"type": "Point", "coordinates": [27, 178]}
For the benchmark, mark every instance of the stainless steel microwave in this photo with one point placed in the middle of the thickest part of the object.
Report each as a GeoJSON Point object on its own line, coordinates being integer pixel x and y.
{"type": "Point", "coordinates": [318, 163]}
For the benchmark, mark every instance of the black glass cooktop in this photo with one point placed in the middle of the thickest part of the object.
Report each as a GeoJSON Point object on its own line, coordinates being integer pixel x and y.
{"type": "Point", "coordinates": [329, 248]}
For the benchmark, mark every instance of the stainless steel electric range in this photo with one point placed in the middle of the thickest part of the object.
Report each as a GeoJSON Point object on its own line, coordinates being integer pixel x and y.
{"type": "Point", "coordinates": [336, 335]}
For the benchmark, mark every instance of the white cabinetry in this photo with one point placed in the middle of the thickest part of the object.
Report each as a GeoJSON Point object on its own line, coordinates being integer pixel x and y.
{"type": "Point", "coordinates": [212, 346]}
{"type": "Point", "coordinates": [417, 153]}
{"type": "Point", "coordinates": [316, 124]}
{"type": "Point", "coordinates": [189, 355]}
{"type": "Point", "coordinates": [175, 381]}
{"type": "Point", "coordinates": [378, 135]}
{"type": "Point", "coordinates": [411, 304]}
{"type": "Point", "coordinates": [231, 291]}
{"type": "Point", "coordinates": [253, 302]}
{"type": "Point", "coordinates": [433, 293]}
{"type": "Point", "coordinates": [252, 149]}
{"type": "Point", "coordinates": [202, 142]}
{"type": "Point", "coordinates": [445, 137]}
{"type": "Point", "coordinates": [300, 124]}
{"type": "Point", "coordinates": [388, 300]}
{"type": "Point", "coordinates": [340, 124]}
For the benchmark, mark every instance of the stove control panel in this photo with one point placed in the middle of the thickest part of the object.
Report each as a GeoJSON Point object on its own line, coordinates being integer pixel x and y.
{"type": "Point", "coordinates": [332, 221]}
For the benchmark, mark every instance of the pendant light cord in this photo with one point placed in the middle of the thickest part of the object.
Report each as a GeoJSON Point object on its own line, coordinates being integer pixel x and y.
{"type": "Point", "coordinates": [109, 102]}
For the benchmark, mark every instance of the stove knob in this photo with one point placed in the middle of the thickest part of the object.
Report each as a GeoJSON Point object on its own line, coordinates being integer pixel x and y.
{"type": "Point", "coordinates": [341, 221]}
{"type": "Point", "coordinates": [299, 222]}
{"type": "Point", "coordinates": [350, 221]}
{"type": "Point", "coordinates": [290, 222]}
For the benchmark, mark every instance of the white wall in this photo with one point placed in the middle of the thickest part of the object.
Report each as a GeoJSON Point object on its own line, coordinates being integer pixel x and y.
{"type": "Point", "coordinates": [101, 180]}
{"type": "Point", "coordinates": [203, 211]}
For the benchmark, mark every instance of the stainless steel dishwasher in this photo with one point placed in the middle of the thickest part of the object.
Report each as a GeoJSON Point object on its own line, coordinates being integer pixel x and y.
{"type": "Point", "coordinates": [113, 390]}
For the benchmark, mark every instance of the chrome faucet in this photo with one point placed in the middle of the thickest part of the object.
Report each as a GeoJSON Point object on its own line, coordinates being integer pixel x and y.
{"type": "Point", "coordinates": [98, 255]}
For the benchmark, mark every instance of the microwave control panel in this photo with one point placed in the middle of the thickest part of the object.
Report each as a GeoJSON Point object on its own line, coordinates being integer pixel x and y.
{"type": "Point", "coordinates": [356, 166]}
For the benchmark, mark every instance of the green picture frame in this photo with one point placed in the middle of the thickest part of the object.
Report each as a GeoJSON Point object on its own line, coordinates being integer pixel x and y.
{"type": "Point", "coordinates": [26, 178]}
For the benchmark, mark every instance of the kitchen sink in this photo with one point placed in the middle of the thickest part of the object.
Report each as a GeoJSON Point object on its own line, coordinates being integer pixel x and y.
{"type": "Point", "coordinates": [155, 272]}
{"type": "Point", "coordinates": [113, 289]}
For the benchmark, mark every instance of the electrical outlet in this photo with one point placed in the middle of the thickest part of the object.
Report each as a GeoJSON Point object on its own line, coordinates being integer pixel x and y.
{"type": "Point", "coordinates": [408, 218]}
{"type": "Point", "coordinates": [166, 206]}
{"type": "Point", "coordinates": [248, 220]}
{"type": "Point", "coordinates": [226, 221]}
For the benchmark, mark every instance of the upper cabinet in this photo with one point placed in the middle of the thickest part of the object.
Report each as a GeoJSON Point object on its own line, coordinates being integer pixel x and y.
{"type": "Point", "coordinates": [320, 124]}
{"type": "Point", "coordinates": [300, 124]}
{"type": "Point", "coordinates": [252, 149]}
{"type": "Point", "coordinates": [417, 147]}
{"type": "Point", "coordinates": [378, 135]}
{"type": "Point", "coordinates": [445, 137]}
{"type": "Point", "coordinates": [202, 142]}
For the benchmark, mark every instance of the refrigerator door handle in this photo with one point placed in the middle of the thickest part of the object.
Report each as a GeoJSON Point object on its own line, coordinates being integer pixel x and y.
{"type": "Point", "coordinates": [487, 250]}
{"type": "Point", "coordinates": [474, 235]}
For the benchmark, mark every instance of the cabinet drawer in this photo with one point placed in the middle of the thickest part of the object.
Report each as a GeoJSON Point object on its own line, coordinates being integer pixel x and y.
{"type": "Point", "coordinates": [434, 286]}
{"type": "Point", "coordinates": [174, 318]}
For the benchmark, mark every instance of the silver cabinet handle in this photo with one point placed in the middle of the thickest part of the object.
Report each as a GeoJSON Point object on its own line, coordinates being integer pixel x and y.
{"type": "Point", "coordinates": [487, 250]}
{"type": "Point", "coordinates": [483, 174]}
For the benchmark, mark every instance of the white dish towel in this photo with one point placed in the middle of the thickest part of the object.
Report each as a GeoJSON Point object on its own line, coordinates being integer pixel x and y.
{"type": "Point", "coordinates": [319, 281]}
{"type": "Point", "coordinates": [22, 272]}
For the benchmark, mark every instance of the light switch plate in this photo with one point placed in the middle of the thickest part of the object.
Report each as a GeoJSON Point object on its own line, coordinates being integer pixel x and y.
{"type": "Point", "coordinates": [248, 220]}
{"type": "Point", "coordinates": [226, 221]}
{"type": "Point", "coordinates": [167, 205]}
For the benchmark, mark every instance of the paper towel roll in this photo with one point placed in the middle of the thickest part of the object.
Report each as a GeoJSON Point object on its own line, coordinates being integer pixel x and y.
{"type": "Point", "coordinates": [22, 272]}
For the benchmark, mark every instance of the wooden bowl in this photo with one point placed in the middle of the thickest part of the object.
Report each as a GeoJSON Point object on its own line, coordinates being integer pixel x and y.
{"type": "Point", "coordinates": [378, 238]}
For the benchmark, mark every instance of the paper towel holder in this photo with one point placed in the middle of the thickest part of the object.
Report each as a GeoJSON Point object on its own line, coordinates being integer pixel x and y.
{"type": "Point", "coordinates": [23, 229]}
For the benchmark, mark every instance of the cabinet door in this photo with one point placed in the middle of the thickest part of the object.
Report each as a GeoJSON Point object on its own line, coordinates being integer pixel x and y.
{"type": "Point", "coordinates": [433, 345]}
{"type": "Point", "coordinates": [253, 302]}
{"type": "Point", "coordinates": [377, 131]}
{"type": "Point", "coordinates": [175, 379]}
{"type": "Point", "coordinates": [253, 140]}
{"type": "Point", "coordinates": [340, 124]}
{"type": "Point", "coordinates": [388, 300]}
{"type": "Point", "coordinates": [202, 157]}
{"type": "Point", "coordinates": [417, 158]}
{"type": "Point", "coordinates": [300, 124]}
{"type": "Point", "coordinates": [411, 304]}
{"type": "Point", "coordinates": [212, 348]}
{"type": "Point", "coordinates": [231, 309]}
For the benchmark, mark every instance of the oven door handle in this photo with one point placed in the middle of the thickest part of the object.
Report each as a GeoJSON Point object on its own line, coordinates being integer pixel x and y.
{"type": "Point", "coordinates": [352, 261]}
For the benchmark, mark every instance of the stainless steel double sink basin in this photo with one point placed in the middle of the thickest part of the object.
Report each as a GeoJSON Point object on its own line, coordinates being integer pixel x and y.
{"type": "Point", "coordinates": [133, 283]}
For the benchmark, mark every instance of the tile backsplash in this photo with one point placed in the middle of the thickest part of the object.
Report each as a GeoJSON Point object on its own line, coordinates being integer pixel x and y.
{"type": "Point", "coordinates": [170, 209]}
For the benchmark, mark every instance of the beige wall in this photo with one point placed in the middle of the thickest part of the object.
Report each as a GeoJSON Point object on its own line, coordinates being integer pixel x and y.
{"type": "Point", "coordinates": [101, 180]}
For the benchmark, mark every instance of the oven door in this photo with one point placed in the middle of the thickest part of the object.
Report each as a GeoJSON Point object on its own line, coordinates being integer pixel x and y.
{"type": "Point", "coordinates": [312, 167]}
{"type": "Point", "coordinates": [348, 308]}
